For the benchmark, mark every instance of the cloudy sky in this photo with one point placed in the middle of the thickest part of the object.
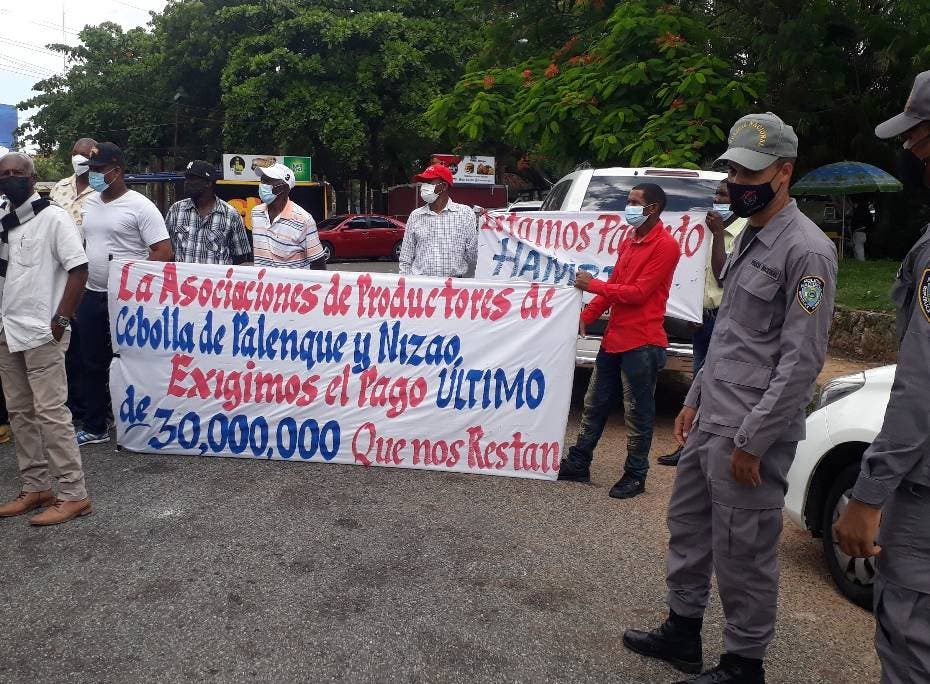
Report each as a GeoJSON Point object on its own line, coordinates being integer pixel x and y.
{"type": "Point", "coordinates": [27, 27]}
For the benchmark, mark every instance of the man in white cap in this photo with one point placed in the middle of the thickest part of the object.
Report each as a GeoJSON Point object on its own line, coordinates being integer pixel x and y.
{"type": "Point", "coordinates": [284, 234]}
{"type": "Point", "coordinates": [70, 194]}
{"type": "Point", "coordinates": [745, 414]}
{"type": "Point", "coordinates": [893, 489]}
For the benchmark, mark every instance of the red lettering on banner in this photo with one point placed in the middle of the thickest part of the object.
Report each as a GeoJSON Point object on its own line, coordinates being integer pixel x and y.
{"type": "Point", "coordinates": [359, 455]}
{"type": "Point", "coordinates": [337, 392]}
{"type": "Point", "coordinates": [178, 374]}
{"type": "Point", "coordinates": [532, 307]}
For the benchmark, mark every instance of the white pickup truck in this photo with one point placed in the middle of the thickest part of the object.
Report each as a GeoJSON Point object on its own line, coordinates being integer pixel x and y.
{"type": "Point", "coordinates": [607, 190]}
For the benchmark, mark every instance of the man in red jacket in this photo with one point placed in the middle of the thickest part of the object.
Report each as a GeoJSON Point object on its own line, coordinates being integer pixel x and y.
{"type": "Point", "coordinates": [633, 349]}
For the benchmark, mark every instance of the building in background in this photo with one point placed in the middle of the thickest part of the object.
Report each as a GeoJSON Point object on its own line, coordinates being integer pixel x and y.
{"type": "Point", "coordinates": [9, 121]}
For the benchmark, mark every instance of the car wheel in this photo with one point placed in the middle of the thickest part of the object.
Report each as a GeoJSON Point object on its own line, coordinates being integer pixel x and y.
{"type": "Point", "coordinates": [328, 251]}
{"type": "Point", "coordinates": [397, 251]}
{"type": "Point", "coordinates": [853, 576]}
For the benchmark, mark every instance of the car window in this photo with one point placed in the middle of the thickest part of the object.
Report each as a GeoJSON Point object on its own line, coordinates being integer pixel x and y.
{"type": "Point", "coordinates": [556, 196]}
{"type": "Point", "coordinates": [331, 222]}
{"type": "Point", "coordinates": [357, 223]}
{"type": "Point", "coordinates": [380, 223]}
{"type": "Point", "coordinates": [609, 193]}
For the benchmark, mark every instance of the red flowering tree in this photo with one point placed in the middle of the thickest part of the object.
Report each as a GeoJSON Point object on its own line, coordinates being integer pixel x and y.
{"type": "Point", "coordinates": [640, 87]}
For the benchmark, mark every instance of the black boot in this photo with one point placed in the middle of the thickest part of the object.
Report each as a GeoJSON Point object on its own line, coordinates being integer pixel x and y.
{"type": "Point", "coordinates": [670, 459]}
{"type": "Point", "coordinates": [627, 487]}
{"type": "Point", "coordinates": [733, 669]}
{"type": "Point", "coordinates": [571, 471]}
{"type": "Point", "coordinates": [677, 641]}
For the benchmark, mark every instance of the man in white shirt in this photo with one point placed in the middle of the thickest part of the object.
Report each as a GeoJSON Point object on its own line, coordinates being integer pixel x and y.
{"type": "Point", "coordinates": [70, 194]}
{"type": "Point", "coordinates": [43, 269]}
{"type": "Point", "coordinates": [119, 223]}
{"type": "Point", "coordinates": [441, 237]}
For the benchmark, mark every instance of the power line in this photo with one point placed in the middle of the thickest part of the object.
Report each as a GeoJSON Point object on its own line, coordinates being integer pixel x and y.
{"type": "Point", "coordinates": [43, 24]}
{"type": "Point", "coordinates": [128, 4]}
{"type": "Point", "coordinates": [27, 65]}
{"type": "Point", "coordinates": [22, 73]}
{"type": "Point", "coordinates": [28, 46]}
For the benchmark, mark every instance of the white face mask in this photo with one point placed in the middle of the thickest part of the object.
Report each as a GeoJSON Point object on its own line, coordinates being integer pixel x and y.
{"type": "Point", "coordinates": [428, 193]}
{"type": "Point", "coordinates": [76, 162]}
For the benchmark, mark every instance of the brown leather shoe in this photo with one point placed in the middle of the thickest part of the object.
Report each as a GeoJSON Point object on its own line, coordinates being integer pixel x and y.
{"type": "Point", "coordinates": [27, 501]}
{"type": "Point", "coordinates": [62, 511]}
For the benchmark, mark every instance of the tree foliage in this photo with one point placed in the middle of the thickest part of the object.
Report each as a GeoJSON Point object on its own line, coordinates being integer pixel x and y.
{"type": "Point", "coordinates": [346, 82]}
{"type": "Point", "coordinates": [637, 86]}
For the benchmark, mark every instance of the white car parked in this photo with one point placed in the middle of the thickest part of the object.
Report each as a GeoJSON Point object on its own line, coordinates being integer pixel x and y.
{"type": "Point", "coordinates": [848, 416]}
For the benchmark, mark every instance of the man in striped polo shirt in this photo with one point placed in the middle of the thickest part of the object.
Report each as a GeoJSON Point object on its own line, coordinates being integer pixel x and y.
{"type": "Point", "coordinates": [284, 234]}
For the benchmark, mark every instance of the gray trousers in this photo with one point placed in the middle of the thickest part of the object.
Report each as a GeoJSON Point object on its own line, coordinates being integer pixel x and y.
{"type": "Point", "coordinates": [902, 587]}
{"type": "Point", "coordinates": [720, 527]}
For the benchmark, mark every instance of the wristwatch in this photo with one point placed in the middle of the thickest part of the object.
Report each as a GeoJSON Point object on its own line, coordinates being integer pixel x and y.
{"type": "Point", "coordinates": [62, 322]}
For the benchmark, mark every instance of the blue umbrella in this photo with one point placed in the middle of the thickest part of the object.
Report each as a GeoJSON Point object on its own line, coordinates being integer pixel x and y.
{"type": "Point", "coordinates": [846, 178]}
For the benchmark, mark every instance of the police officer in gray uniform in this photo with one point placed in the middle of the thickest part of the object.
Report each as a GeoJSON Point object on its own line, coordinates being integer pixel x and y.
{"type": "Point", "coordinates": [895, 477]}
{"type": "Point", "coordinates": [744, 414]}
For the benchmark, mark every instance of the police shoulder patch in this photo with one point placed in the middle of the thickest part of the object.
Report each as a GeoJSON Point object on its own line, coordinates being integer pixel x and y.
{"type": "Point", "coordinates": [923, 294]}
{"type": "Point", "coordinates": [810, 293]}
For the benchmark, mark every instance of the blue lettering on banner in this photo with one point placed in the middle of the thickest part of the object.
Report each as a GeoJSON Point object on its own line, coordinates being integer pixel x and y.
{"type": "Point", "coordinates": [241, 435]}
{"type": "Point", "coordinates": [165, 332]}
{"type": "Point", "coordinates": [253, 340]}
{"type": "Point", "coordinates": [529, 264]}
{"type": "Point", "coordinates": [484, 388]}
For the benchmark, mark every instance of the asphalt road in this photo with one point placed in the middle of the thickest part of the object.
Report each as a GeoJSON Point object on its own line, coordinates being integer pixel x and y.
{"type": "Point", "coordinates": [219, 570]}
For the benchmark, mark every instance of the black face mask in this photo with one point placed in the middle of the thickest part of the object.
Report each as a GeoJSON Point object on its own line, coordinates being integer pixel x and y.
{"type": "Point", "coordinates": [194, 190]}
{"type": "Point", "coordinates": [911, 171]}
{"type": "Point", "coordinates": [746, 200]}
{"type": "Point", "coordinates": [16, 188]}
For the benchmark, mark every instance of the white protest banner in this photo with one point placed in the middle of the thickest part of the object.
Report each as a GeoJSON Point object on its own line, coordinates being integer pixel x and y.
{"type": "Point", "coordinates": [548, 247]}
{"type": "Point", "coordinates": [375, 369]}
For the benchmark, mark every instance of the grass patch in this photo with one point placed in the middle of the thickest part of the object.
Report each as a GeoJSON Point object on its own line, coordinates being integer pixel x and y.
{"type": "Point", "coordinates": [866, 285]}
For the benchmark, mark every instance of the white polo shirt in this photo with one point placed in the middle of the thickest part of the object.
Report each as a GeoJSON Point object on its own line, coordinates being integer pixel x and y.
{"type": "Point", "coordinates": [42, 251]}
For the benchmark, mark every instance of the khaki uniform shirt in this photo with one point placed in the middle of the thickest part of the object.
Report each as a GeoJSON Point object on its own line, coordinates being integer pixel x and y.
{"type": "Point", "coordinates": [713, 291]}
{"type": "Point", "coordinates": [65, 195]}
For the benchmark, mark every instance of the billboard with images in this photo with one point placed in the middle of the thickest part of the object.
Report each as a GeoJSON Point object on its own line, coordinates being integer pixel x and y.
{"type": "Point", "coordinates": [242, 167]}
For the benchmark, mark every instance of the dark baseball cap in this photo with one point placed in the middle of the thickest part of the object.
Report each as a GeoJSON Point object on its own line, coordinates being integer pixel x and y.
{"type": "Point", "coordinates": [105, 154]}
{"type": "Point", "coordinates": [434, 172]}
{"type": "Point", "coordinates": [916, 109]}
{"type": "Point", "coordinates": [201, 169]}
{"type": "Point", "coordinates": [759, 140]}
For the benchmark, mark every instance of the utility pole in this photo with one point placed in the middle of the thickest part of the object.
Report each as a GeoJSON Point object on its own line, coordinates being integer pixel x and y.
{"type": "Point", "coordinates": [179, 93]}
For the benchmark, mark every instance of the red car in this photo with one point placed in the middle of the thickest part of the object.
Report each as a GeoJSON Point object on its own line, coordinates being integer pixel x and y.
{"type": "Point", "coordinates": [361, 235]}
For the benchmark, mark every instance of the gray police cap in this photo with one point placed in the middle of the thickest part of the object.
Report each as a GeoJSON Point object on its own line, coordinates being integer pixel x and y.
{"type": "Point", "coordinates": [759, 140]}
{"type": "Point", "coordinates": [916, 110]}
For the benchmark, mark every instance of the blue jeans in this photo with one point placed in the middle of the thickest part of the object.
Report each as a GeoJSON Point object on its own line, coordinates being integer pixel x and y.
{"type": "Point", "coordinates": [634, 374]}
{"type": "Point", "coordinates": [93, 321]}
{"type": "Point", "coordinates": [700, 339]}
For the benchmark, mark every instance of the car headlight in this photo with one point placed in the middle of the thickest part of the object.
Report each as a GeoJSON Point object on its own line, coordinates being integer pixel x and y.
{"type": "Point", "coordinates": [836, 389]}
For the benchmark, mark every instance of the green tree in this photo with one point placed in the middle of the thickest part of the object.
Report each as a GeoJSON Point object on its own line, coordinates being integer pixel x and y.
{"type": "Point", "coordinates": [346, 82]}
{"type": "Point", "coordinates": [51, 167]}
{"type": "Point", "coordinates": [836, 68]}
{"type": "Point", "coordinates": [122, 86]}
{"type": "Point", "coordinates": [639, 85]}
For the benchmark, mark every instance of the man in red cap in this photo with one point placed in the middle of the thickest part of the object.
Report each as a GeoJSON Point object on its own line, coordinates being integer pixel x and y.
{"type": "Point", "coordinates": [441, 238]}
